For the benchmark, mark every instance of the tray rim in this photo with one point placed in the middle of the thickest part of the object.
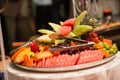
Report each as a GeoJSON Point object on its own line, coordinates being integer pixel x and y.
{"type": "Point", "coordinates": [61, 69]}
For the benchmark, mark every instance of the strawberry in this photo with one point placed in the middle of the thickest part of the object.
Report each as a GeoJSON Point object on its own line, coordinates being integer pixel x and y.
{"type": "Point", "coordinates": [34, 46]}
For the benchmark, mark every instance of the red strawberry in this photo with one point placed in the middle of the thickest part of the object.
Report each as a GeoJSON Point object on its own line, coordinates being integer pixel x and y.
{"type": "Point", "coordinates": [34, 46]}
{"type": "Point", "coordinates": [69, 22]}
{"type": "Point", "coordinates": [64, 30]}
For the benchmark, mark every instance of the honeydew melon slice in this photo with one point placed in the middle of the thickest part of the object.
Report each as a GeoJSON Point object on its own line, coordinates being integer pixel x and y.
{"type": "Point", "coordinates": [54, 26]}
{"type": "Point", "coordinates": [44, 38]}
{"type": "Point", "coordinates": [82, 29]}
{"type": "Point", "coordinates": [45, 31]}
{"type": "Point", "coordinates": [80, 18]}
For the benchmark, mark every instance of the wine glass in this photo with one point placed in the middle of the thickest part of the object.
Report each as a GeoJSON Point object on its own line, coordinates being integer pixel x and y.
{"type": "Point", "coordinates": [92, 7]}
{"type": "Point", "coordinates": [79, 6]}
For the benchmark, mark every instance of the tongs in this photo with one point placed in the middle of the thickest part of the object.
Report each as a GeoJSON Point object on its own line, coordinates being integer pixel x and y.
{"type": "Point", "coordinates": [59, 36]}
{"type": "Point", "coordinates": [63, 48]}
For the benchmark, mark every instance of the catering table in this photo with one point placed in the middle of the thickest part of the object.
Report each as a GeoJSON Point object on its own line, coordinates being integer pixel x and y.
{"type": "Point", "coordinates": [107, 71]}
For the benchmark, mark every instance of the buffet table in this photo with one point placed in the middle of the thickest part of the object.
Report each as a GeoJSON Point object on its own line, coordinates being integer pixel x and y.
{"type": "Point", "coordinates": [107, 71]}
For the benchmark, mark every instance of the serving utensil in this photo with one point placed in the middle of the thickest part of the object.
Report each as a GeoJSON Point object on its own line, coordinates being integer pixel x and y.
{"type": "Point", "coordinates": [77, 47]}
{"type": "Point", "coordinates": [31, 39]}
{"type": "Point", "coordinates": [59, 36]}
{"type": "Point", "coordinates": [25, 44]}
{"type": "Point", "coordinates": [84, 43]}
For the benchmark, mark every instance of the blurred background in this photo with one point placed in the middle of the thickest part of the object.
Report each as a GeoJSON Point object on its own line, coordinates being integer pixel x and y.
{"type": "Point", "coordinates": [22, 18]}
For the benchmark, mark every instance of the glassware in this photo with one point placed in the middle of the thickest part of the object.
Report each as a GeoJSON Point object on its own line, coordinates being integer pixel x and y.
{"type": "Point", "coordinates": [78, 6]}
{"type": "Point", "coordinates": [92, 6]}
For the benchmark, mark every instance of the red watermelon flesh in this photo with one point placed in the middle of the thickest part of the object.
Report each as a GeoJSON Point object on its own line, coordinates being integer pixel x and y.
{"type": "Point", "coordinates": [64, 30]}
{"type": "Point", "coordinates": [69, 22]}
{"type": "Point", "coordinates": [70, 60]}
{"type": "Point", "coordinates": [59, 61]}
{"type": "Point", "coordinates": [90, 56]}
{"type": "Point", "coordinates": [41, 63]}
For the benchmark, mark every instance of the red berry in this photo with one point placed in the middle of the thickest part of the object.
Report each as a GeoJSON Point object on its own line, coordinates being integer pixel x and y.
{"type": "Point", "coordinates": [93, 34]}
{"type": "Point", "coordinates": [34, 46]}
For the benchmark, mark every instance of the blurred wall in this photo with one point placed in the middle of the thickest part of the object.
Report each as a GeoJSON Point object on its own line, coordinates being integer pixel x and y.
{"type": "Point", "coordinates": [18, 20]}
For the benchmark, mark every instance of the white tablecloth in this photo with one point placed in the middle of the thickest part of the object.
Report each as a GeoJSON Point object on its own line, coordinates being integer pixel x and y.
{"type": "Point", "coordinates": [107, 71]}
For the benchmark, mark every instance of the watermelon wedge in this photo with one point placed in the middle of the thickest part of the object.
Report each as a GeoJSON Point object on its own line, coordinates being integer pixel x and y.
{"type": "Point", "coordinates": [69, 22]}
{"type": "Point", "coordinates": [64, 30]}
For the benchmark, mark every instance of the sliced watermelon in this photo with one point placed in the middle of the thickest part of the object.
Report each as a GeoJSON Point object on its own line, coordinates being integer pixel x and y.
{"type": "Point", "coordinates": [69, 22]}
{"type": "Point", "coordinates": [59, 61]}
{"type": "Point", "coordinates": [70, 60]}
{"type": "Point", "coordinates": [64, 30]}
{"type": "Point", "coordinates": [90, 56]}
{"type": "Point", "coordinates": [41, 63]}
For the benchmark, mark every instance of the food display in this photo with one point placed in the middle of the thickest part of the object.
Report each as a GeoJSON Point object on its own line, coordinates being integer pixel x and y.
{"type": "Point", "coordinates": [72, 42]}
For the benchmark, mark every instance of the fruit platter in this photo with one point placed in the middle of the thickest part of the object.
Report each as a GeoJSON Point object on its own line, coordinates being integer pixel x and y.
{"type": "Point", "coordinates": [71, 45]}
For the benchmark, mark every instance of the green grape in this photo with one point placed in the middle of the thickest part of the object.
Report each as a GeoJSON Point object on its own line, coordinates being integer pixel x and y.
{"type": "Point", "coordinates": [101, 43]}
{"type": "Point", "coordinates": [107, 51]}
{"type": "Point", "coordinates": [106, 46]}
{"type": "Point", "coordinates": [112, 51]}
{"type": "Point", "coordinates": [104, 49]}
{"type": "Point", "coordinates": [114, 47]}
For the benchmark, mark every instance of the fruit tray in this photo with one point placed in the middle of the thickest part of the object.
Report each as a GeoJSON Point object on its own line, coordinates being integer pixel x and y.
{"type": "Point", "coordinates": [72, 45]}
{"type": "Point", "coordinates": [63, 68]}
